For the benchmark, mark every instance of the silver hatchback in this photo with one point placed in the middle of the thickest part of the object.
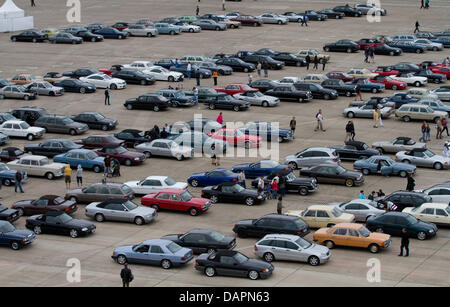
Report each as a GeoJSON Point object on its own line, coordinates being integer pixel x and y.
{"type": "Point", "coordinates": [290, 247]}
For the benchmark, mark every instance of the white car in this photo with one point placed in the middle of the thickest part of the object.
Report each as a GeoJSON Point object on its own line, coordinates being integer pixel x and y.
{"type": "Point", "coordinates": [163, 74]}
{"type": "Point", "coordinates": [104, 81]}
{"type": "Point", "coordinates": [154, 184]}
{"type": "Point", "coordinates": [315, 78]}
{"type": "Point", "coordinates": [195, 59]}
{"type": "Point", "coordinates": [429, 44]}
{"type": "Point", "coordinates": [21, 129]}
{"type": "Point", "coordinates": [437, 213]}
{"type": "Point", "coordinates": [165, 148]}
{"type": "Point", "coordinates": [185, 27]}
{"type": "Point", "coordinates": [138, 65]}
{"type": "Point", "coordinates": [141, 30]}
{"type": "Point", "coordinates": [38, 166]}
{"type": "Point", "coordinates": [289, 80]}
{"type": "Point", "coordinates": [361, 73]}
{"type": "Point", "coordinates": [421, 93]}
{"type": "Point", "coordinates": [439, 193]}
{"type": "Point", "coordinates": [410, 79]}
{"type": "Point", "coordinates": [256, 98]}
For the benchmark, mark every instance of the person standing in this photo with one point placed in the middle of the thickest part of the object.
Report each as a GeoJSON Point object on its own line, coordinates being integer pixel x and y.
{"type": "Point", "coordinates": [79, 176]}
{"type": "Point", "coordinates": [258, 68]}
{"type": "Point", "coordinates": [375, 118]}
{"type": "Point", "coordinates": [361, 195]}
{"type": "Point", "coordinates": [411, 183]}
{"type": "Point", "coordinates": [126, 275]}
{"type": "Point", "coordinates": [260, 185]}
{"type": "Point", "coordinates": [371, 196]}
{"type": "Point", "coordinates": [265, 67]}
{"type": "Point", "coordinates": [324, 62]}
{"type": "Point", "coordinates": [274, 187]}
{"type": "Point", "coordinates": [188, 70]}
{"type": "Point", "coordinates": [380, 193]}
{"type": "Point", "coordinates": [417, 25]}
{"type": "Point", "coordinates": [405, 243]}
{"type": "Point", "coordinates": [241, 179]}
{"type": "Point", "coordinates": [316, 62]}
{"type": "Point", "coordinates": [428, 133]}
{"type": "Point", "coordinates": [427, 4]}
{"type": "Point", "coordinates": [319, 117]}
{"type": "Point", "coordinates": [223, 5]}
{"type": "Point", "coordinates": [446, 150]}
{"type": "Point", "coordinates": [18, 181]}
{"type": "Point", "coordinates": [358, 92]}
{"type": "Point", "coordinates": [444, 126]}
{"type": "Point", "coordinates": [282, 186]}
{"type": "Point", "coordinates": [280, 205]}
{"type": "Point", "coordinates": [197, 10]}
{"type": "Point", "coordinates": [305, 20]}
{"type": "Point", "coordinates": [220, 118]}
{"type": "Point", "coordinates": [380, 119]}
{"type": "Point", "coordinates": [366, 55]}
{"type": "Point", "coordinates": [423, 138]}
{"type": "Point", "coordinates": [250, 79]}
{"type": "Point", "coordinates": [195, 91]}
{"type": "Point", "coordinates": [349, 131]}
{"type": "Point", "coordinates": [32, 3]}
{"type": "Point", "coordinates": [292, 125]}
{"type": "Point", "coordinates": [422, 6]}
{"type": "Point", "coordinates": [446, 61]}
{"type": "Point", "coordinates": [198, 76]}
{"type": "Point", "coordinates": [107, 97]}
{"type": "Point", "coordinates": [439, 129]}
{"type": "Point", "coordinates": [308, 60]}
{"type": "Point", "coordinates": [372, 54]}
{"type": "Point", "coordinates": [215, 74]}
{"type": "Point", "coordinates": [107, 165]}
{"type": "Point", "coordinates": [67, 176]}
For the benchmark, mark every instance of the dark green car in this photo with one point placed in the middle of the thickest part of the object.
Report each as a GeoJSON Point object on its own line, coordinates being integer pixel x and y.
{"type": "Point", "coordinates": [204, 93]}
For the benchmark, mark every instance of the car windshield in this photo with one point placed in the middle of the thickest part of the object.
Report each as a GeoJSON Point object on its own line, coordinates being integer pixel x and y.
{"type": "Point", "coordinates": [337, 212]}
{"type": "Point", "coordinates": [363, 231]}
{"type": "Point", "coordinates": [340, 169]}
{"type": "Point", "coordinates": [44, 161]}
{"type": "Point", "coordinates": [24, 125]}
{"type": "Point", "coordinates": [186, 196]}
{"type": "Point", "coordinates": [428, 153]}
{"type": "Point", "coordinates": [269, 164]}
{"type": "Point", "coordinates": [238, 188]}
{"type": "Point", "coordinates": [120, 150]}
{"type": "Point", "coordinates": [106, 77]}
{"type": "Point", "coordinates": [7, 116]}
{"type": "Point", "coordinates": [98, 116]}
{"type": "Point", "coordinates": [7, 227]}
{"type": "Point", "coordinates": [173, 247]}
{"type": "Point", "coordinates": [240, 258]}
{"type": "Point", "coordinates": [69, 144]}
{"type": "Point", "coordinates": [257, 94]}
{"type": "Point", "coordinates": [66, 120]}
{"type": "Point", "coordinates": [216, 235]}
{"type": "Point", "coordinates": [58, 200]}
{"type": "Point", "coordinates": [126, 189]}
{"type": "Point", "coordinates": [170, 181]}
{"type": "Point", "coordinates": [3, 167]}
{"type": "Point", "coordinates": [111, 138]}
{"type": "Point", "coordinates": [448, 209]}
{"type": "Point", "coordinates": [228, 173]}
{"type": "Point", "coordinates": [46, 84]}
{"type": "Point", "coordinates": [65, 218]}
{"type": "Point", "coordinates": [303, 243]}
{"type": "Point", "coordinates": [91, 155]}
{"type": "Point", "coordinates": [411, 220]}
{"type": "Point", "coordinates": [130, 205]}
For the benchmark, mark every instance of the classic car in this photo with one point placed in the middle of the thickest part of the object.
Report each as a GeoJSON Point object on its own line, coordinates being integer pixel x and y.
{"type": "Point", "coordinates": [362, 209]}
{"type": "Point", "coordinates": [257, 98]}
{"type": "Point", "coordinates": [367, 111]}
{"type": "Point", "coordinates": [15, 238]}
{"type": "Point", "coordinates": [366, 85]}
{"type": "Point", "coordinates": [267, 131]}
{"type": "Point", "coordinates": [322, 216]}
{"type": "Point", "coordinates": [88, 159]}
{"type": "Point", "coordinates": [95, 120]}
{"type": "Point", "coordinates": [18, 128]}
{"type": "Point", "coordinates": [408, 112]}
{"type": "Point", "coordinates": [260, 168]}
{"type": "Point", "coordinates": [7, 175]}
{"type": "Point", "coordinates": [354, 150]}
{"type": "Point", "coordinates": [16, 92]}
{"type": "Point", "coordinates": [99, 192]}
{"type": "Point", "coordinates": [343, 45]}
{"type": "Point", "coordinates": [232, 192]}
{"type": "Point", "coordinates": [423, 157]}
{"type": "Point", "coordinates": [203, 240]}
{"type": "Point", "coordinates": [44, 88]}
{"type": "Point", "coordinates": [10, 153]}
{"type": "Point", "coordinates": [38, 166]}
{"type": "Point", "coordinates": [154, 184]}
{"type": "Point", "coordinates": [311, 157]}
{"type": "Point", "coordinates": [437, 213]}
{"type": "Point", "coordinates": [214, 177]}
{"type": "Point", "coordinates": [384, 165]}
{"type": "Point", "coordinates": [236, 137]}
{"type": "Point", "coordinates": [389, 82]}
{"type": "Point", "coordinates": [326, 173]}
{"type": "Point", "coordinates": [45, 204]}
{"type": "Point", "coordinates": [300, 185]}
{"type": "Point", "coordinates": [165, 148]}
{"type": "Point", "coordinates": [51, 147]}
{"type": "Point", "coordinates": [123, 155]}
{"type": "Point", "coordinates": [120, 210]}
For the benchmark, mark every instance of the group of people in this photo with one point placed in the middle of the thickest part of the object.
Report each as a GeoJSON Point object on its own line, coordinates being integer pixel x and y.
{"type": "Point", "coordinates": [369, 52]}
{"type": "Point", "coordinates": [68, 176]}
{"type": "Point", "coordinates": [275, 189]}
{"type": "Point", "coordinates": [315, 61]}
{"type": "Point", "coordinates": [262, 66]}
{"type": "Point", "coordinates": [372, 195]}
{"type": "Point", "coordinates": [441, 127]}
{"type": "Point", "coordinates": [111, 167]}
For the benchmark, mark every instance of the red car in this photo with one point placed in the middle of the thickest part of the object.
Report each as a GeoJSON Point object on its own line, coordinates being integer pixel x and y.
{"type": "Point", "coordinates": [247, 20]}
{"type": "Point", "coordinates": [431, 65]}
{"type": "Point", "coordinates": [364, 43]}
{"type": "Point", "coordinates": [340, 75]}
{"type": "Point", "coordinates": [9, 154]}
{"type": "Point", "coordinates": [100, 141]}
{"type": "Point", "coordinates": [390, 83]}
{"type": "Point", "coordinates": [123, 155]}
{"type": "Point", "coordinates": [111, 70]}
{"type": "Point", "coordinates": [178, 200]}
{"type": "Point", "coordinates": [385, 71]}
{"type": "Point", "coordinates": [235, 88]}
{"type": "Point", "coordinates": [120, 26]}
{"type": "Point", "coordinates": [236, 137]}
{"type": "Point", "coordinates": [45, 204]}
{"type": "Point", "coordinates": [441, 70]}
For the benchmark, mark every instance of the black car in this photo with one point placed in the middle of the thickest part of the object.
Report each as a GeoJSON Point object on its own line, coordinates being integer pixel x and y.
{"type": "Point", "coordinates": [393, 222]}
{"type": "Point", "coordinates": [340, 87]}
{"type": "Point", "coordinates": [233, 193]}
{"type": "Point", "coordinates": [8, 214]}
{"type": "Point", "coordinates": [300, 185]}
{"type": "Point", "coordinates": [30, 36]}
{"type": "Point", "coordinates": [134, 76]}
{"type": "Point", "coordinates": [289, 59]}
{"type": "Point", "coordinates": [431, 77]}
{"type": "Point", "coordinates": [51, 147]}
{"type": "Point", "coordinates": [317, 91]}
{"type": "Point", "coordinates": [76, 86]}
{"type": "Point", "coordinates": [354, 150]}
{"type": "Point", "coordinates": [271, 223]}
{"type": "Point", "coordinates": [236, 64]}
{"type": "Point", "coordinates": [290, 92]}
{"type": "Point", "coordinates": [405, 67]}
{"type": "Point", "coordinates": [232, 263]}
{"type": "Point", "coordinates": [332, 14]}
{"type": "Point", "coordinates": [336, 174]}
{"type": "Point", "coordinates": [95, 120]}
{"type": "Point", "coordinates": [54, 222]}
{"type": "Point", "coordinates": [177, 98]}
{"type": "Point", "coordinates": [343, 45]}
{"type": "Point", "coordinates": [348, 11]}
{"type": "Point", "coordinates": [266, 130]}
{"type": "Point", "coordinates": [404, 199]}
{"type": "Point", "coordinates": [384, 49]}
{"type": "Point", "coordinates": [81, 72]}
{"type": "Point", "coordinates": [89, 36]}
{"type": "Point", "coordinates": [147, 102]}
{"type": "Point", "coordinates": [133, 137]}
{"type": "Point", "coordinates": [4, 82]}
{"type": "Point", "coordinates": [29, 114]}
{"type": "Point", "coordinates": [263, 85]}
{"type": "Point", "coordinates": [203, 241]}
{"type": "Point", "coordinates": [95, 27]}
{"type": "Point", "coordinates": [255, 58]}
{"type": "Point", "coordinates": [227, 102]}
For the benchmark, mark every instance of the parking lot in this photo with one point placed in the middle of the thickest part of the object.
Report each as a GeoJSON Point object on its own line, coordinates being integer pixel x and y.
{"type": "Point", "coordinates": [44, 262]}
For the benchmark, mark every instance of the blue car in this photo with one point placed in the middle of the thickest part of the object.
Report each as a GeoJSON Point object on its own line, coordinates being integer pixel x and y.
{"type": "Point", "coordinates": [367, 86]}
{"type": "Point", "coordinates": [165, 62]}
{"type": "Point", "coordinates": [385, 166]}
{"type": "Point", "coordinates": [182, 67]}
{"type": "Point", "coordinates": [312, 15]}
{"type": "Point", "coordinates": [177, 98]}
{"type": "Point", "coordinates": [444, 40]}
{"type": "Point", "coordinates": [167, 28]}
{"type": "Point", "coordinates": [436, 105]}
{"type": "Point", "coordinates": [260, 168]}
{"type": "Point", "coordinates": [402, 98]}
{"type": "Point", "coordinates": [408, 46]}
{"type": "Point", "coordinates": [15, 238]}
{"type": "Point", "coordinates": [4, 139]}
{"type": "Point", "coordinates": [7, 175]}
{"type": "Point", "coordinates": [154, 252]}
{"type": "Point", "coordinates": [109, 32]}
{"type": "Point", "coordinates": [84, 157]}
{"type": "Point", "coordinates": [214, 177]}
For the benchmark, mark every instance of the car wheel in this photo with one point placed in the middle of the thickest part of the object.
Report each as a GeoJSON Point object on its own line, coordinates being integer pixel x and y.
{"type": "Point", "coordinates": [7, 182]}
{"type": "Point", "coordinates": [268, 257]}
{"type": "Point", "coordinates": [96, 169]}
{"type": "Point", "coordinates": [245, 69]}
{"type": "Point", "coordinates": [30, 137]}
{"type": "Point", "coordinates": [326, 97]}
{"type": "Point", "coordinates": [374, 248]}
{"type": "Point", "coordinates": [180, 157]}
{"type": "Point", "coordinates": [34, 40]}
{"type": "Point", "coordinates": [193, 211]}
{"type": "Point", "coordinates": [26, 97]}
{"type": "Point", "coordinates": [93, 39]}
{"type": "Point", "coordinates": [265, 104]}
{"type": "Point", "coordinates": [156, 108]}
{"type": "Point", "coordinates": [73, 233]}
{"type": "Point", "coordinates": [249, 201]}
{"type": "Point", "coordinates": [210, 250]}
{"type": "Point", "coordinates": [314, 260]}
{"type": "Point", "coordinates": [374, 90]}
{"type": "Point", "coordinates": [279, 22]}
{"type": "Point", "coordinates": [214, 199]}
{"type": "Point", "coordinates": [105, 127]}
{"type": "Point", "coordinates": [338, 17]}
{"type": "Point", "coordinates": [128, 162]}
{"type": "Point", "coordinates": [394, 87]}
{"type": "Point", "coordinates": [14, 39]}
{"type": "Point", "coordinates": [2, 97]}
{"type": "Point", "coordinates": [417, 50]}
{"type": "Point", "coordinates": [326, 49]}
{"type": "Point", "coordinates": [113, 86]}
{"type": "Point", "coordinates": [253, 275]}
{"type": "Point", "coordinates": [247, 145]}
{"type": "Point", "coordinates": [82, 90]}
{"type": "Point", "coordinates": [436, 120]}
{"type": "Point", "coordinates": [149, 34]}
{"type": "Point", "coordinates": [349, 50]}
{"type": "Point", "coordinates": [120, 37]}
{"type": "Point", "coordinates": [437, 166]}
{"type": "Point", "coordinates": [73, 198]}
{"type": "Point", "coordinates": [143, 82]}
{"type": "Point", "coordinates": [139, 220]}
{"type": "Point", "coordinates": [329, 244]}
{"type": "Point", "coordinates": [350, 114]}
{"type": "Point", "coordinates": [437, 80]}
{"type": "Point", "coordinates": [194, 183]}
{"type": "Point", "coordinates": [300, 99]}
{"type": "Point", "coordinates": [417, 84]}
{"type": "Point", "coordinates": [15, 245]}
{"type": "Point", "coordinates": [171, 79]}
{"type": "Point", "coordinates": [210, 271]}
{"type": "Point", "coordinates": [166, 264]}
{"type": "Point", "coordinates": [379, 229]}
{"type": "Point", "coordinates": [293, 165]}
{"type": "Point", "coordinates": [236, 108]}
{"type": "Point", "coordinates": [121, 259]}
{"type": "Point", "coordinates": [191, 30]}
{"type": "Point", "coordinates": [212, 106]}
{"type": "Point", "coordinates": [50, 176]}
{"type": "Point", "coordinates": [403, 174]}
{"type": "Point", "coordinates": [255, 24]}
{"type": "Point", "coordinates": [406, 161]}
{"type": "Point", "coordinates": [435, 49]}
{"type": "Point", "coordinates": [148, 154]}
{"type": "Point", "coordinates": [303, 191]}
{"type": "Point", "coordinates": [421, 235]}
{"type": "Point", "coordinates": [129, 107]}
{"type": "Point", "coordinates": [391, 53]}
{"type": "Point", "coordinates": [406, 119]}
{"type": "Point", "coordinates": [298, 64]}
{"type": "Point", "coordinates": [99, 217]}
{"type": "Point", "coordinates": [37, 230]}
{"type": "Point", "coordinates": [349, 182]}
{"type": "Point", "coordinates": [366, 171]}
{"type": "Point", "coordinates": [73, 132]}
{"type": "Point", "coordinates": [51, 94]}
{"type": "Point", "coordinates": [348, 94]}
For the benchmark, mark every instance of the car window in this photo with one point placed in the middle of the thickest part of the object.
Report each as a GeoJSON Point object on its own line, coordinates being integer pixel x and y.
{"type": "Point", "coordinates": [155, 249]}
{"type": "Point", "coordinates": [340, 231]}
{"type": "Point", "coordinates": [164, 196]}
{"type": "Point", "coordinates": [322, 213]}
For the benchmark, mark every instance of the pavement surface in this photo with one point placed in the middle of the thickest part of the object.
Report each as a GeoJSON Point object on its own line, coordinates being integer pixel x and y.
{"type": "Point", "coordinates": [44, 262]}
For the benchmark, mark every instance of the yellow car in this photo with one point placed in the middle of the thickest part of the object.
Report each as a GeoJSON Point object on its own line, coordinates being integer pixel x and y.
{"type": "Point", "coordinates": [361, 73]}
{"type": "Point", "coordinates": [437, 213]}
{"type": "Point", "coordinates": [50, 32]}
{"type": "Point", "coordinates": [312, 53]}
{"type": "Point", "coordinates": [323, 216]}
{"type": "Point", "coordinates": [23, 79]}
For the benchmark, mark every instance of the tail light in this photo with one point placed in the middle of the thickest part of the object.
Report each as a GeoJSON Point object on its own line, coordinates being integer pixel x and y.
{"type": "Point", "coordinates": [367, 223]}
{"type": "Point", "coordinates": [196, 263]}
{"type": "Point", "coordinates": [183, 258]}
{"type": "Point", "coordinates": [335, 159]}
{"type": "Point", "coordinates": [26, 222]}
{"type": "Point", "coordinates": [229, 246]}
{"type": "Point", "coordinates": [125, 197]}
{"type": "Point", "coordinates": [255, 248]}
{"type": "Point", "coordinates": [9, 218]}
{"type": "Point", "coordinates": [234, 179]}
{"type": "Point", "coordinates": [395, 157]}
{"type": "Point", "coordinates": [299, 232]}
{"type": "Point", "coordinates": [85, 210]}
{"type": "Point", "coordinates": [203, 193]}
{"type": "Point", "coordinates": [67, 209]}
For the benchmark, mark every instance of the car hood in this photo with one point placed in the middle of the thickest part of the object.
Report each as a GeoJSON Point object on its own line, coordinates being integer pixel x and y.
{"type": "Point", "coordinates": [353, 174]}
{"type": "Point", "coordinates": [8, 174]}
{"type": "Point", "coordinates": [376, 236]}
{"type": "Point", "coordinates": [199, 200]}
{"type": "Point", "coordinates": [245, 222]}
{"type": "Point", "coordinates": [257, 264]}
{"type": "Point", "coordinates": [405, 166]}
{"type": "Point", "coordinates": [20, 233]}
{"type": "Point", "coordinates": [143, 210]}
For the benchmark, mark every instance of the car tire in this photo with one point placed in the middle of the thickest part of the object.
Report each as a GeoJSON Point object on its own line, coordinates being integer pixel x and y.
{"type": "Point", "coordinates": [437, 81]}
{"type": "Point", "coordinates": [14, 39]}
{"type": "Point", "coordinates": [30, 137]}
{"type": "Point", "coordinates": [51, 94]}
{"type": "Point", "coordinates": [421, 235]}
{"type": "Point", "coordinates": [314, 260]}
{"type": "Point", "coordinates": [329, 244]}
{"type": "Point", "coordinates": [2, 97]}
{"type": "Point", "coordinates": [214, 199]}
{"type": "Point", "coordinates": [418, 51]}
{"type": "Point", "coordinates": [120, 37]}
{"type": "Point", "coordinates": [128, 162]}
{"type": "Point", "coordinates": [210, 251]}
{"type": "Point", "coordinates": [180, 157]}
{"type": "Point", "coordinates": [417, 84]}
{"type": "Point", "coordinates": [437, 166]}
{"type": "Point", "coordinates": [104, 127]}
{"type": "Point", "coordinates": [129, 107]}
{"type": "Point", "coordinates": [93, 40]}
{"type": "Point", "coordinates": [139, 221]}
{"type": "Point", "coordinates": [300, 99]}
{"type": "Point", "coordinates": [365, 171]}
{"type": "Point", "coordinates": [210, 271]}
{"type": "Point", "coordinates": [211, 106]}
{"type": "Point", "coordinates": [246, 69]}
{"type": "Point", "coordinates": [171, 79]}
{"type": "Point", "coordinates": [15, 245]}
{"type": "Point", "coordinates": [143, 82]}
{"type": "Point", "coordinates": [350, 114]}
{"type": "Point", "coordinates": [193, 211]}
{"type": "Point", "coordinates": [236, 108]}
{"type": "Point", "coordinates": [348, 94]}
{"type": "Point", "coordinates": [113, 86]}
{"type": "Point", "coordinates": [403, 174]}
{"type": "Point", "coordinates": [298, 64]}
{"type": "Point", "coordinates": [326, 97]}
{"type": "Point", "coordinates": [268, 257]}
{"type": "Point", "coordinates": [394, 87]}
{"type": "Point", "coordinates": [248, 145]}
{"type": "Point", "coordinates": [191, 30]}
{"type": "Point", "coordinates": [391, 53]}
{"type": "Point", "coordinates": [303, 191]}
{"type": "Point", "coordinates": [374, 248]}
{"type": "Point", "coordinates": [406, 161]}
{"type": "Point", "coordinates": [349, 183]}
{"type": "Point", "coordinates": [338, 17]}
{"type": "Point", "coordinates": [374, 90]}
{"type": "Point", "coordinates": [7, 182]}
{"type": "Point", "coordinates": [406, 119]}
{"type": "Point", "coordinates": [349, 50]}
{"type": "Point", "coordinates": [265, 104]}
{"type": "Point", "coordinates": [50, 176]}
{"type": "Point", "coordinates": [156, 108]}
{"type": "Point", "coordinates": [149, 34]}
{"type": "Point", "coordinates": [327, 49]}
{"type": "Point", "coordinates": [194, 183]}
{"type": "Point", "coordinates": [34, 40]}
{"type": "Point", "coordinates": [82, 90]}
{"type": "Point", "coordinates": [73, 233]}
{"type": "Point", "coordinates": [73, 132]}
{"type": "Point", "coordinates": [26, 97]}
{"type": "Point", "coordinates": [96, 169]}
{"type": "Point", "coordinates": [293, 165]}
{"type": "Point", "coordinates": [99, 217]}
{"type": "Point", "coordinates": [253, 275]}
{"type": "Point", "coordinates": [166, 264]}
{"type": "Point", "coordinates": [255, 24]}
{"type": "Point", "coordinates": [121, 259]}
{"type": "Point", "coordinates": [249, 201]}
{"type": "Point", "coordinates": [147, 154]}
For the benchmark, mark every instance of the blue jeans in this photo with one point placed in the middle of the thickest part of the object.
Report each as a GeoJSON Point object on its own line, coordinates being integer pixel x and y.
{"type": "Point", "coordinates": [188, 74]}
{"type": "Point", "coordinates": [18, 184]}
{"type": "Point", "coordinates": [423, 138]}
{"type": "Point", "coordinates": [196, 99]}
{"type": "Point", "coordinates": [274, 194]}
{"type": "Point", "coordinates": [242, 183]}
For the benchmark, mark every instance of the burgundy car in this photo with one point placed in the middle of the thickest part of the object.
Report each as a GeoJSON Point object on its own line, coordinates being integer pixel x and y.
{"type": "Point", "coordinates": [9, 154]}
{"type": "Point", "coordinates": [340, 75]}
{"type": "Point", "coordinates": [247, 20]}
{"type": "Point", "coordinates": [100, 141]}
{"type": "Point", "coordinates": [123, 155]}
{"type": "Point", "coordinates": [45, 204]}
{"type": "Point", "coordinates": [120, 26]}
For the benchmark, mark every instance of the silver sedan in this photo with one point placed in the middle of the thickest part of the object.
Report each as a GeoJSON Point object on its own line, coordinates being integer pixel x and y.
{"type": "Point", "coordinates": [121, 211]}
{"type": "Point", "coordinates": [424, 158]}
{"type": "Point", "coordinates": [256, 98]}
{"type": "Point", "coordinates": [165, 148]}
{"type": "Point", "coordinates": [362, 209]}
{"type": "Point", "coordinates": [442, 92]}
{"type": "Point", "coordinates": [366, 111]}
{"type": "Point", "coordinates": [273, 18]}
{"type": "Point", "coordinates": [45, 88]}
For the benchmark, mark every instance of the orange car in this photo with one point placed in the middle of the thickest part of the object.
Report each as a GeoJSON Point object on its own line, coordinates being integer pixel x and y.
{"type": "Point", "coordinates": [23, 79]}
{"type": "Point", "coordinates": [352, 234]}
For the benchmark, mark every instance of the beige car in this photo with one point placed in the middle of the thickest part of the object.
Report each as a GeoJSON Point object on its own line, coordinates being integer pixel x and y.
{"type": "Point", "coordinates": [421, 93]}
{"type": "Point", "coordinates": [229, 23]}
{"type": "Point", "coordinates": [38, 166]}
{"type": "Point", "coordinates": [437, 213]}
{"type": "Point", "coordinates": [315, 78]}
{"type": "Point", "coordinates": [361, 73]}
{"type": "Point", "coordinates": [407, 112]}
{"type": "Point", "coordinates": [312, 53]}
{"type": "Point", "coordinates": [318, 216]}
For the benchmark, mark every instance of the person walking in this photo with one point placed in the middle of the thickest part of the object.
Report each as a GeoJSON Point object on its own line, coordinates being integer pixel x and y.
{"type": "Point", "coordinates": [422, 5]}
{"type": "Point", "coordinates": [116, 168]}
{"type": "Point", "coordinates": [405, 243]}
{"type": "Point", "coordinates": [188, 70]}
{"type": "Point", "coordinates": [427, 4]}
{"type": "Point", "coordinates": [444, 126]}
{"type": "Point", "coordinates": [280, 205]}
{"type": "Point", "coordinates": [380, 119]}
{"type": "Point", "coordinates": [198, 75]}
{"type": "Point", "coordinates": [258, 68]}
{"type": "Point", "coordinates": [274, 187]}
{"type": "Point", "coordinates": [349, 131]}
{"type": "Point", "coordinates": [417, 25]}
{"type": "Point", "coordinates": [107, 166]}
{"type": "Point", "coordinates": [316, 62]}
{"type": "Point", "coordinates": [358, 92]}
{"type": "Point", "coordinates": [107, 97]}
{"type": "Point", "coordinates": [197, 10]}
{"type": "Point", "coordinates": [428, 131]}
{"type": "Point", "coordinates": [439, 129]}
{"type": "Point", "coordinates": [375, 118]}
{"type": "Point", "coordinates": [361, 195]}
{"type": "Point", "coordinates": [292, 125]}
{"type": "Point", "coordinates": [223, 5]}
{"type": "Point", "coordinates": [265, 67]}
{"type": "Point", "coordinates": [308, 60]}
{"type": "Point", "coordinates": [411, 183]}
{"type": "Point", "coordinates": [79, 176]}
{"type": "Point", "coordinates": [372, 54]}
{"type": "Point", "coordinates": [319, 117]}
{"type": "Point", "coordinates": [366, 55]}
{"type": "Point", "coordinates": [220, 118]}
{"type": "Point", "coordinates": [250, 79]}
{"type": "Point", "coordinates": [215, 74]}
{"type": "Point", "coordinates": [18, 181]}
{"type": "Point", "coordinates": [260, 185]}
{"type": "Point", "coordinates": [423, 128]}
{"type": "Point", "coordinates": [324, 62]}
{"type": "Point", "coordinates": [67, 176]}
{"type": "Point", "coordinates": [304, 20]}
{"type": "Point", "coordinates": [126, 275]}
{"type": "Point", "coordinates": [241, 178]}
{"type": "Point", "coordinates": [33, 3]}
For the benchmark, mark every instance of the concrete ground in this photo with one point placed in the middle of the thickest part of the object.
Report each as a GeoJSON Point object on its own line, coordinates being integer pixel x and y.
{"type": "Point", "coordinates": [44, 262]}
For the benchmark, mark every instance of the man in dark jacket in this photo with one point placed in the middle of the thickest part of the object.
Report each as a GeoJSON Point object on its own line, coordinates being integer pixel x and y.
{"type": "Point", "coordinates": [126, 275]}
{"type": "Point", "coordinates": [417, 25]}
{"type": "Point", "coordinates": [349, 131]}
{"type": "Point", "coordinates": [107, 97]}
{"type": "Point", "coordinates": [316, 62]}
{"type": "Point", "coordinates": [18, 181]}
{"type": "Point", "coordinates": [405, 243]}
{"type": "Point", "coordinates": [198, 76]}
{"type": "Point", "coordinates": [411, 183]}
{"type": "Point", "coordinates": [308, 60]}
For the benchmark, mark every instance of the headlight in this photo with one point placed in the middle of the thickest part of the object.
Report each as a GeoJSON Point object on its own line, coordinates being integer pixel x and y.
{"type": "Point", "coordinates": [84, 229]}
{"type": "Point", "coordinates": [136, 159]}
{"type": "Point", "coordinates": [431, 231]}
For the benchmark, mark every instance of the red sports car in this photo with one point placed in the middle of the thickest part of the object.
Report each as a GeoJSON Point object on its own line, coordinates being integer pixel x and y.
{"type": "Point", "coordinates": [9, 154]}
{"type": "Point", "coordinates": [441, 70]}
{"type": "Point", "coordinates": [235, 88]}
{"type": "Point", "coordinates": [390, 83]}
{"type": "Point", "coordinates": [178, 200]}
{"type": "Point", "coordinates": [385, 71]}
{"type": "Point", "coordinates": [340, 75]}
{"type": "Point", "coordinates": [120, 26]}
{"type": "Point", "coordinates": [123, 155]}
{"type": "Point", "coordinates": [45, 204]}
{"type": "Point", "coordinates": [237, 138]}
{"type": "Point", "coordinates": [111, 70]}
{"type": "Point", "coordinates": [100, 141]}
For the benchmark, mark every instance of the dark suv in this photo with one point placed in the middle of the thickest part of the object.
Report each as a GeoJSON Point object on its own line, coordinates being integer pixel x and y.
{"type": "Point", "coordinates": [29, 114]}
{"type": "Point", "coordinates": [403, 199]}
{"type": "Point", "coordinates": [95, 120]}
{"type": "Point", "coordinates": [153, 102]}
{"type": "Point", "coordinates": [60, 124]}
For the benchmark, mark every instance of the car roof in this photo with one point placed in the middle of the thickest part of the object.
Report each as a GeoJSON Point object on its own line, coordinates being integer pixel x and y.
{"type": "Point", "coordinates": [200, 230]}
{"type": "Point", "coordinates": [434, 205]}
{"type": "Point", "coordinates": [157, 242]}
{"type": "Point", "coordinates": [359, 200]}
{"type": "Point", "coordinates": [281, 216]}
{"type": "Point", "coordinates": [280, 236]}
{"type": "Point", "coordinates": [14, 122]}
{"type": "Point", "coordinates": [319, 207]}
{"type": "Point", "coordinates": [53, 213]}
{"type": "Point", "coordinates": [80, 150]}
{"type": "Point", "coordinates": [172, 190]}
{"type": "Point", "coordinates": [33, 157]}
{"type": "Point", "coordinates": [110, 184]}
{"type": "Point", "coordinates": [349, 225]}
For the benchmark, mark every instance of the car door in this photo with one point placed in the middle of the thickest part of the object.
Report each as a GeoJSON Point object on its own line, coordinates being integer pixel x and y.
{"type": "Point", "coordinates": [214, 178]}
{"type": "Point", "coordinates": [156, 254]}
{"type": "Point", "coordinates": [339, 236]}
{"type": "Point", "coordinates": [196, 242]}
{"type": "Point", "coordinates": [227, 194]}
{"type": "Point", "coordinates": [163, 200]}
{"type": "Point", "coordinates": [322, 218]}
{"type": "Point", "coordinates": [150, 186]}
{"type": "Point", "coordinates": [140, 254]}
{"type": "Point", "coordinates": [279, 250]}
{"type": "Point", "coordinates": [354, 239]}
{"type": "Point", "coordinates": [310, 218]}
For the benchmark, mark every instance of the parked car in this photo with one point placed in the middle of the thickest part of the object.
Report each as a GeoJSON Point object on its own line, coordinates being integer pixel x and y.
{"type": "Point", "coordinates": [199, 142]}
{"type": "Point", "coordinates": [311, 157]}
{"type": "Point", "coordinates": [442, 92]}
{"type": "Point", "coordinates": [154, 184]}
{"type": "Point", "coordinates": [317, 90]}
{"type": "Point", "coordinates": [88, 36]}
{"type": "Point", "coordinates": [51, 147]}
{"type": "Point", "coordinates": [65, 38]}
{"type": "Point", "coordinates": [4, 139]}
{"type": "Point", "coordinates": [264, 85]}
{"type": "Point", "coordinates": [365, 85]}
{"type": "Point", "coordinates": [99, 192]}
{"type": "Point", "coordinates": [61, 124]}
{"type": "Point", "coordinates": [45, 204]}
{"type": "Point", "coordinates": [354, 150]}
{"type": "Point", "coordinates": [348, 11]}
{"type": "Point", "coordinates": [95, 120]}
{"type": "Point", "coordinates": [21, 129]}
{"type": "Point", "coordinates": [102, 80]}
{"type": "Point", "coordinates": [400, 99]}
{"type": "Point", "coordinates": [224, 101]}
{"type": "Point", "coordinates": [165, 148]}
{"type": "Point", "coordinates": [439, 193]}
{"type": "Point", "coordinates": [16, 92]}
{"type": "Point", "coordinates": [141, 30]}
{"type": "Point", "coordinates": [123, 155]}
{"type": "Point", "coordinates": [30, 36]}
{"type": "Point", "coordinates": [112, 33]}
{"type": "Point", "coordinates": [232, 192]}
{"type": "Point", "coordinates": [397, 144]}
{"type": "Point", "coordinates": [182, 68]}
{"type": "Point", "coordinates": [421, 94]}
{"type": "Point", "coordinates": [343, 45]}
{"type": "Point", "coordinates": [247, 20]}
{"type": "Point", "coordinates": [340, 87]}
{"type": "Point", "coordinates": [408, 46]}
{"type": "Point", "coordinates": [385, 166]}
{"type": "Point", "coordinates": [10, 153]}
{"type": "Point", "coordinates": [385, 71]}
{"type": "Point", "coordinates": [367, 111]}
{"type": "Point", "coordinates": [372, 9]}
{"type": "Point", "coordinates": [332, 14]}
{"type": "Point", "coordinates": [402, 199]}
{"type": "Point", "coordinates": [260, 168]}
{"type": "Point", "coordinates": [329, 173]}
{"type": "Point", "coordinates": [120, 210]}
{"type": "Point", "coordinates": [76, 86]}
{"type": "Point", "coordinates": [153, 102]}
{"type": "Point", "coordinates": [234, 88]}
{"type": "Point", "coordinates": [290, 92]}
{"type": "Point", "coordinates": [166, 28]}
{"type": "Point", "coordinates": [88, 159]}
{"type": "Point", "coordinates": [185, 27]}
{"type": "Point", "coordinates": [408, 112]}
{"type": "Point", "coordinates": [323, 216]}
{"type": "Point", "coordinates": [53, 77]}
{"type": "Point", "coordinates": [133, 137]}
{"type": "Point", "coordinates": [339, 75]}
{"type": "Point", "coordinates": [204, 93]}
{"type": "Point", "coordinates": [210, 178]}
{"type": "Point", "coordinates": [313, 53]}
{"type": "Point", "coordinates": [313, 15]}
{"type": "Point", "coordinates": [15, 238]}
{"type": "Point", "coordinates": [444, 40]}
{"type": "Point", "coordinates": [99, 141]}
{"type": "Point", "coordinates": [203, 241]}
{"type": "Point", "coordinates": [267, 130]}
{"type": "Point", "coordinates": [423, 157]}
{"type": "Point", "coordinates": [134, 76]}
{"type": "Point", "coordinates": [389, 82]}
{"type": "Point", "coordinates": [362, 209]}
{"type": "Point", "coordinates": [162, 74]}
{"type": "Point", "coordinates": [257, 98]}
{"type": "Point", "coordinates": [39, 166]}
{"type": "Point", "coordinates": [431, 76]}
{"type": "Point", "coordinates": [429, 44]}
{"type": "Point", "coordinates": [236, 64]}
{"type": "Point", "coordinates": [300, 185]}
{"type": "Point", "coordinates": [435, 104]}
{"type": "Point", "coordinates": [236, 137]}
{"type": "Point", "coordinates": [315, 78]}
{"type": "Point", "coordinates": [273, 18]}
{"type": "Point", "coordinates": [255, 58]}
{"type": "Point", "coordinates": [7, 175]}
{"type": "Point", "coordinates": [436, 213]}
{"type": "Point", "coordinates": [44, 88]}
